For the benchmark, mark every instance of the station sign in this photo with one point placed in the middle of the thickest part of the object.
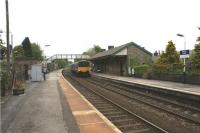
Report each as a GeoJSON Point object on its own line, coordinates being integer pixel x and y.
{"type": "Point", "coordinates": [184, 54]}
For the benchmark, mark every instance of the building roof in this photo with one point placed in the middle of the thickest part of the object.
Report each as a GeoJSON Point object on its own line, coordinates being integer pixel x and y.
{"type": "Point", "coordinates": [115, 50]}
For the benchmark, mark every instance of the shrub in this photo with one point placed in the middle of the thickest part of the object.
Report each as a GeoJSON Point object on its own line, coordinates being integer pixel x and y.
{"type": "Point", "coordinates": [6, 82]}
{"type": "Point", "coordinates": [142, 71]}
{"type": "Point", "coordinates": [168, 69]}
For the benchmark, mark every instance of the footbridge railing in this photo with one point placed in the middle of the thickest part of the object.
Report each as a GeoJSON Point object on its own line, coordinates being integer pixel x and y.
{"type": "Point", "coordinates": [68, 56]}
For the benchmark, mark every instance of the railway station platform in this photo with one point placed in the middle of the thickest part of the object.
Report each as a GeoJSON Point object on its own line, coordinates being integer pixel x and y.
{"type": "Point", "coordinates": [88, 118]}
{"type": "Point", "coordinates": [162, 85]}
{"type": "Point", "coordinates": [39, 110]}
{"type": "Point", "coordinates": [52, 106]}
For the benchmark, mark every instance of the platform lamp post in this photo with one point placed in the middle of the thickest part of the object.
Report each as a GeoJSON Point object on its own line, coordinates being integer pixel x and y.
{"type": "Point", "coordinates": [45, 59]}
{"type": "Point", "coordinates": [47, 45]}
{"type": "Point", "coordinates": [184, 64]}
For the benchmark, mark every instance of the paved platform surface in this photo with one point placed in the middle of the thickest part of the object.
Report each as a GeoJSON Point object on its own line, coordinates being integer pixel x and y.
{"type": "Point", "coordinates": [39, 110]}
{"type": "Point", "coordinates": [88, 118]}
{"type": "Point", "coordinates": [185, 88]}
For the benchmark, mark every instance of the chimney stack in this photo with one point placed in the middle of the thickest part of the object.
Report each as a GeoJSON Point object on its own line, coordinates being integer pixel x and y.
{"type": "Point", "coordinates": [110, 47]}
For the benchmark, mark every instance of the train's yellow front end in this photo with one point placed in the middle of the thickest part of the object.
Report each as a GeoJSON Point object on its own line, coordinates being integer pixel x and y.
{"type": "Point", "coordinates": [83, 69]}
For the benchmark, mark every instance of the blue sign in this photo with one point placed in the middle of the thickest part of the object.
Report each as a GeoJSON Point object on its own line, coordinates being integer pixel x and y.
{"type": "Point", "coordinates": [184, 52]}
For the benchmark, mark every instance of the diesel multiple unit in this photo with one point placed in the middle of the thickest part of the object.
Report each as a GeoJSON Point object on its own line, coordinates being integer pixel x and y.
{"type": "Point", "coordinates": [81, 68]}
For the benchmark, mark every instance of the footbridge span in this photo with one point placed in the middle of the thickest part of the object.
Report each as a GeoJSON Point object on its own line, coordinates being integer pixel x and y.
{"type": "Point", "coordinates": [68, 56]}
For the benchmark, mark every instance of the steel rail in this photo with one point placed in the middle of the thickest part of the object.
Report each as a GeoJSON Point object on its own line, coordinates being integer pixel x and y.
{"type": "Point", "coordinates": [130, 112]}
{"type": "Point", "coordinates": [197, 121]}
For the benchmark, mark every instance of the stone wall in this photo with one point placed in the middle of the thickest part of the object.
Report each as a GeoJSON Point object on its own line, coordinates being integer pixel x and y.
{"type": "Point", "coordinates": [116, 65]}
{"type": "Point", "coordinates": [138, 56]}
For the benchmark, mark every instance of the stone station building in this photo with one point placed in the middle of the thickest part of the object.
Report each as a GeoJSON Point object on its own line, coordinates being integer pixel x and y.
{"type": "Point", "coordinates": [119, 60]}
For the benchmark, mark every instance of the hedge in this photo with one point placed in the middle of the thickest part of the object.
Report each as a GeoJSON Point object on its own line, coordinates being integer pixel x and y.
{"type": "Point", "coordinates": [142, 71]}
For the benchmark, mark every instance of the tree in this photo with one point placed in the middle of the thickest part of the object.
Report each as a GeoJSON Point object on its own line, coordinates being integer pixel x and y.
{"type": "Point", "coordinates": [3, 51]}
{"type": "Point", "coordinates": [61, 62]}
{"type": "Point", "coordinates": [169, 60]}
{"type": "Point", "coordinates": [18, 51]}
{"type": "Point", "coordinates": [195, 58]}
{"type": "Point", "coordinates": [36, 51]}
{"type": "Point", "coordinates": [170, 56]}
{"type": "Point", "coordinates": [27, 47]}
{"type": "Point", "coordinates": [198, 39]}
{"type": "Point", "coordinates": [1, 41]}
{"type": "Point", "coordinates": [97, 49]}
{"type": "Point", "coordinates": [92, 51]}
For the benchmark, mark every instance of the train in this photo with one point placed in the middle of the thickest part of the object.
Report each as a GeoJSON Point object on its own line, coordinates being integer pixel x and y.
{"type": "Point", "coordinates": [81, 68]}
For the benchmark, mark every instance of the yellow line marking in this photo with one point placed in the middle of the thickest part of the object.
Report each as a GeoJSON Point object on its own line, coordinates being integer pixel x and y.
{"type": "Point", "coordinates": [85, 112]}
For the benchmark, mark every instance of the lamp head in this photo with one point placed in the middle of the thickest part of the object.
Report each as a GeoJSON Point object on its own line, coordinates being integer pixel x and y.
{"type": "Point", "coordinates": [181, 35]}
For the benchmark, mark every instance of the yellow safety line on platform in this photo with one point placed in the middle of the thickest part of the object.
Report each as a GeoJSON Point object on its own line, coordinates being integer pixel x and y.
{"type": "Point", "coordinates": [85, 112]}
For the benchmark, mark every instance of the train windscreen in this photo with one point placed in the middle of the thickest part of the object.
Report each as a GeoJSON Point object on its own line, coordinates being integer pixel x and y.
{"type": "Point", "coordinates": [83, 64]}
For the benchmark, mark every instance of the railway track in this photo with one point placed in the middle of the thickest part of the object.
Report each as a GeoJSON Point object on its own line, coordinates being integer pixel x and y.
{"type": "Point", "coordinates": [187, 112]}
{"type": "Point", "coordinates": [127, 98]}
{"type": "Point", "coordinates": [125, 120]}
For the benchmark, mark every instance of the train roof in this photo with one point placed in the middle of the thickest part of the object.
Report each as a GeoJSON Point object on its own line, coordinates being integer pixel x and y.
{"type": "Point", "coordinates": [80, 61]}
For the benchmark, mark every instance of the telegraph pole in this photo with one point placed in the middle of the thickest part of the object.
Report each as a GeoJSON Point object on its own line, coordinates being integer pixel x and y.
{"type": "Point", "coordinates": [7, 35]}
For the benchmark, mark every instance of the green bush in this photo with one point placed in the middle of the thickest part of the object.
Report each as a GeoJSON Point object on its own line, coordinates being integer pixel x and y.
{"type": "Point", "coordinates": [142, 71]}
{"type": "Point", "coordinates": [159, 68]}
{"type": "Point", "coordinates": [6, 82]}
{"type": "Point", "coordinates": [62, 63]}
{"type": "Point", "coordinates": [168, 69]}
{"type": "Point", "coordinates": [5, 77]}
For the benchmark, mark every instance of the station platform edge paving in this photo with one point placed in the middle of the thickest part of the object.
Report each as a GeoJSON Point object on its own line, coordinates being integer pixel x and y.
{"type": "Point", "coordinates": [88, 118]}
{"type": "Point", "coordinates": [167, 85]}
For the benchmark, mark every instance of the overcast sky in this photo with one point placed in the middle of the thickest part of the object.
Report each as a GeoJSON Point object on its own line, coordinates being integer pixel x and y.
{"type": "Point", "coordinates": [73, 26]}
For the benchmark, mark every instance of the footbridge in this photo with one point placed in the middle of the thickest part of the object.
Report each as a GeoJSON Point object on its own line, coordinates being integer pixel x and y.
{"type": "Point", "coordinates": [68, 56]}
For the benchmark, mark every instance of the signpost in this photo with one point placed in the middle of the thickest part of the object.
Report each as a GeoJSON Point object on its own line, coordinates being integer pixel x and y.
{"type": "Point", "coordinates": [184, 54]}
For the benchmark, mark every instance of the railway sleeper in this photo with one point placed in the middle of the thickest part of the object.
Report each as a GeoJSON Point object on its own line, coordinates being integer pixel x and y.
{"type": "Point", "coordinates": [108, 109]}
{"type": "Point", "coordinates": [146, 130]}
{"type": "Point", "coordinates": [113, 118]}
{"type": "Point", "coordinates": [105, 107]}
{"type": "Point", "coordinates": [134, 128]}
{"type": "Point", "coordinates": [93, 98]}
{"type": "Point", "coordinates": [113, 113]}
{"type": "Point", "coordinates": [100, 104]}
{"type": "Point", "coordinates": [128, 121]}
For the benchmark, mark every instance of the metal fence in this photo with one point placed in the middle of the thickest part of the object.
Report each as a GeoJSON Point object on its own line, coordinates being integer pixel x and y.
{"type": "Point", "coordinates": [189, 78]}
